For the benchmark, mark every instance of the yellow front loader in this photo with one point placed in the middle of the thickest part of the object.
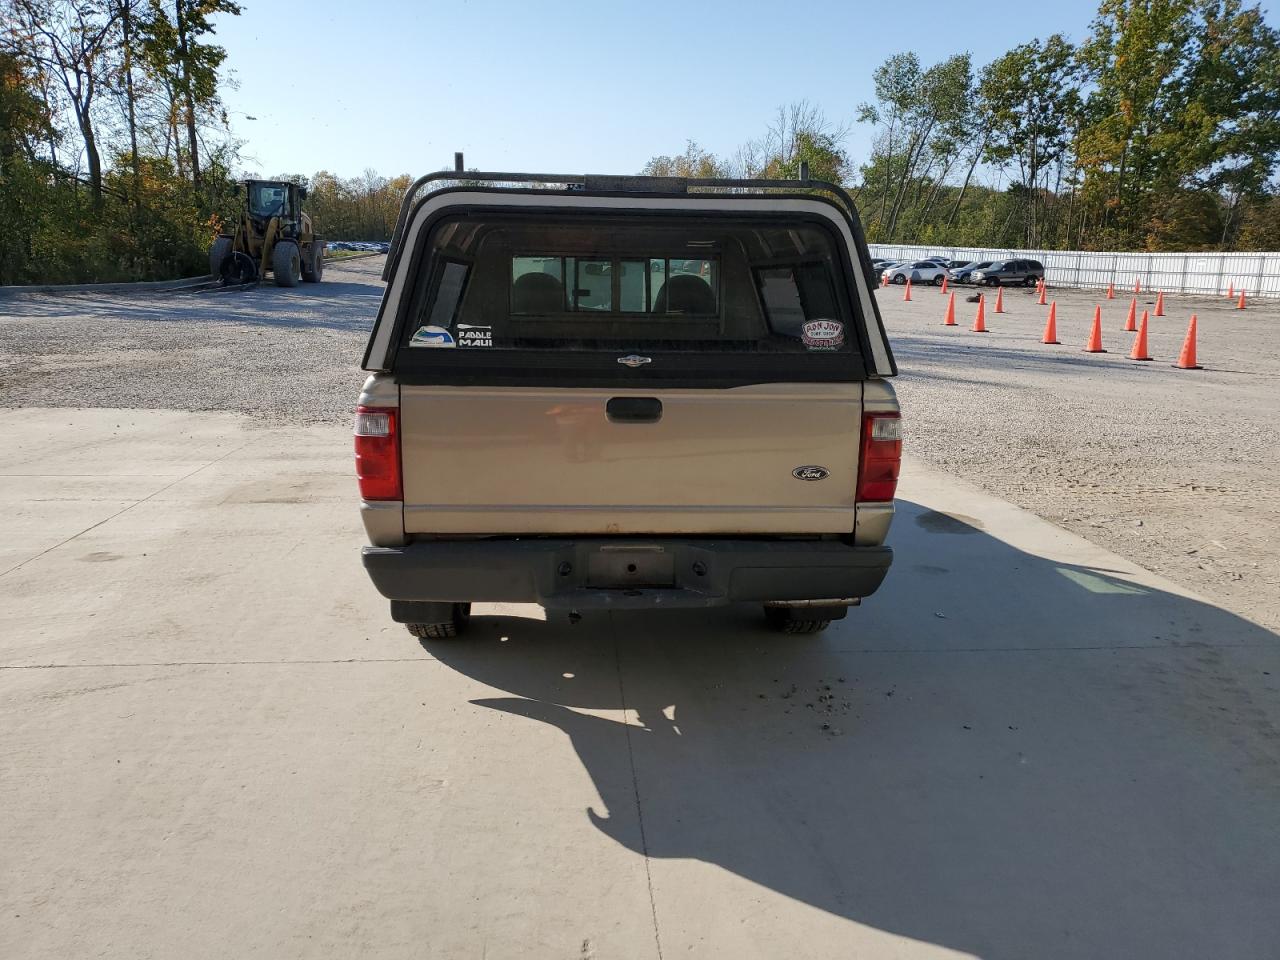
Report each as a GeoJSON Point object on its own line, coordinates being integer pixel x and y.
{"type": "Point", "coordinates": [273, 235]}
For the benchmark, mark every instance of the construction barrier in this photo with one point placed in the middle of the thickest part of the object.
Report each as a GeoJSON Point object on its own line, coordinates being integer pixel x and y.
{"type": "Point", "coordinates": [1257, 274]}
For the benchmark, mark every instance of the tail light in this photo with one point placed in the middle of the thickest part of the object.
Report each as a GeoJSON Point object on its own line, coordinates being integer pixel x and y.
{"type": "Point", "coordinates": [881, 457]}
{"type": "Point", "coordinates": [378, 453]}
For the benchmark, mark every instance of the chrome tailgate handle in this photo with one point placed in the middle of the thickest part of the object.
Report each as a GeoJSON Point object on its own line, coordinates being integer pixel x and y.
{"type": "Point", "coordinates": [633, 410]}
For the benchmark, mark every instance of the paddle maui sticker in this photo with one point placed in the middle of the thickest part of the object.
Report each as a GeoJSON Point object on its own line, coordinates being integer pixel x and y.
{"type": "Point", "coordinates": [474, 335]}
{"type": "Point", "coordinates": [432, 337]}
{"type": "Point", "coordinates": [822, 334]}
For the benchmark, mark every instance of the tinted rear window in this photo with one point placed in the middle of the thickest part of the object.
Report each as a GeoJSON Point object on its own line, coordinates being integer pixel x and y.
{"type": "Point", "coordinates": [635, 284]}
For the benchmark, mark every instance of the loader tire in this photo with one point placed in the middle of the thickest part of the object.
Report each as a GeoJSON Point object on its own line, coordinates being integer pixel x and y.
{"type": "Point", "coordinates": [286, 264]}
{"type": "Point", "coordinates": [238, 269]}
{"type": "Point", "coordinates": [313, 269]}
{"type": "Point", "coordinates": [217, 253]}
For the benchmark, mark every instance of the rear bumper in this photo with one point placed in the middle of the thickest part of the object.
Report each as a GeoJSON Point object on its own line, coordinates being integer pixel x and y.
{"type": "Point", "coordinates": [626, 573]}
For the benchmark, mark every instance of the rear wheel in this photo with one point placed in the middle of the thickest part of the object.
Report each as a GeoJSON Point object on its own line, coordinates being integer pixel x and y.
{"type": "Point", "coordinates": [286, 264]}
{"type": "Point", "coordinates": [217, 253]}
{"type": "Point", "coordinates": [937, 281]}
{"type": "Point", "coordinates": [785, 620]}
{"type": "Point", "coordinates": [898, 278]}
{"type": "Point", "coordinates": [1029, 281]}
{"type": "Point", "coordinates": [458, 616]}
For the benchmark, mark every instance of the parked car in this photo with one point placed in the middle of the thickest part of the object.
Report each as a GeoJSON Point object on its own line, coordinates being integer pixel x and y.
{"type": "Point", "coordinates": [1004, 272]}
{"type": "Point", "coordinates": [920, 271]}
{"type": "Point", "coordinates": [537, 428]}
{"type": "Point", "coordinates": [958, 264]}
{"type": "Point", "coordinates": [879, 266]}
{"type": "Point", "coordinates": [964, 274]}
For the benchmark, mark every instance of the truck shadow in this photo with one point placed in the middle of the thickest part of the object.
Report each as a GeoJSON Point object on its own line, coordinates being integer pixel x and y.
{"type": "Point", "coordinates": [1000, 754]}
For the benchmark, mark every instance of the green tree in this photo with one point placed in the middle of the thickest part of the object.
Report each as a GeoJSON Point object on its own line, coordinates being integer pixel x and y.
{"type": "Point", "coordinates": [73, 42]}
{"type": "Point", "coordinates": [1031, 97]}
{"type": "Point", "coordinates": [186, 66]}
{"type": "Point", "coordinates": [1186, 102]}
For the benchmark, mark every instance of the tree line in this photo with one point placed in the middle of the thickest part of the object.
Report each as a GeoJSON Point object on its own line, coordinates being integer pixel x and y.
{"type": "Point", "coordinates": [117, 156]}
{"type": "Point", "coordinates": [356, 208]}
{"type": "Point", "coordinates": [1159, 131]}
{"type": "Point", "coordinates": [115, 153]}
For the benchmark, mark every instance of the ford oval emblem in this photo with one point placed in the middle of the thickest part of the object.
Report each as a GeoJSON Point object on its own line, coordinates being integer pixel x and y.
{"type": "Point", "coordinates": [811, 473]}
{"type": "Point", "coordinates": [632, 361]}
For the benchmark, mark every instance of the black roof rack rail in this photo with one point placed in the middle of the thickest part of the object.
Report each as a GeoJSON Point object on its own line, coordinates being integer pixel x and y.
{"type": "Point", "coordinates": [424, 186]}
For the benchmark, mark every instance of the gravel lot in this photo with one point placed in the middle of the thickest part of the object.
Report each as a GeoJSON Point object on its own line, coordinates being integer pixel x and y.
{"type": "Point", "coordinates": [301, 347]}
{"type": "Point", "coordinates": [1179, 470]}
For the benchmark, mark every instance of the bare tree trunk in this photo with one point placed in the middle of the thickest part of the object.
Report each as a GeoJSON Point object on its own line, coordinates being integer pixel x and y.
{"type": "Point", "coordinates": [923, 212]}
{"type": "Point", "coordinates": [977, 155]}
{"type": "Point", "coordinates": [1119, 191]}
{"type": "Point", "coordinates": [126, 22]}
{"type": "Point", "coordinates": [1227, 220]}
{"type": "Point", "coordinates": [193, 146]}
{"type": "Point", "coordinates": [917, 147]}
{"type": "Point", "coordinates": [85, 123]}
{"type": "Point", "coordinates": [888, 172]}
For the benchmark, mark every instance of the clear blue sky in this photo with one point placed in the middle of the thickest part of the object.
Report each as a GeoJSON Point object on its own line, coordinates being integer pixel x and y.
{"type": "Point", "coordinates": [572, 87]}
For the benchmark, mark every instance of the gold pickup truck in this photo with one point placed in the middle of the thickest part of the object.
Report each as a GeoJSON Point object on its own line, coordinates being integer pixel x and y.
{"type": "Point", "coordinates": [626, 393]}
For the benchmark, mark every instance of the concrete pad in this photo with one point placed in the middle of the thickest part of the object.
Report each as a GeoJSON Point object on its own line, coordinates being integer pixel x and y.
{"type": "Point", "coordinates": [216, 744]}
{"type": "Point", "coordinates": [316, 810]}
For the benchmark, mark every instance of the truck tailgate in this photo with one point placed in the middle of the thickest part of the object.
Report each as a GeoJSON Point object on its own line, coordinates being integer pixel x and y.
{"type": "Point", "coordinates": [516, 460]}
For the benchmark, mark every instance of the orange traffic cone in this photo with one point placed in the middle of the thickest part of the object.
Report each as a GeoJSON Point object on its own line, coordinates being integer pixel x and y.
{"type": "Point", "coordinates": [1129, 324]}
{"type": "Point", "coordinates": [979, 326]}
{"type": "Point", "coordinates": [884, 279]}
{"type": "Point", "coordinates": [1095, 335]}
{"type": "Point", "coordinates": [950, 319]}
{"type": "Point", "coordinates": [1231, 291]}
{"type": "Point", "coordinates": [1051, 325]}
{"type": "Point", "coordinates": [906, 294]}
{"type": "Point", "coordinates": [1111, 291]}
{"type": "Point", "coordinates": [1159, 305]}
{"type": "Point", "coordinates": [1041, 301]}
{"type": "Point", "coordinates": [943, 288]}
{"type": "Point", "coordinates": [1139, 351]}
{"type": "Point", "coordinates": [1187, 358]}
{"type": "Point", "coordinates": [1000, 300]}
{"type": "Point", "coordinates": [1240, 302]}
{"type": "Point", "coordinates": [1137, 286]}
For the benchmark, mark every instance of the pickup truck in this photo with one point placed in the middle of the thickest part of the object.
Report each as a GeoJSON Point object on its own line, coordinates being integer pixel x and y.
{"type": "Point", "coordinates": [625, 393]}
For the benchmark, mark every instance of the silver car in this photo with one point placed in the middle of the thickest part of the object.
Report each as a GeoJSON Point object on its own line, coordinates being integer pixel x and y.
{"type": "Point", "coordinates": [919, 271]}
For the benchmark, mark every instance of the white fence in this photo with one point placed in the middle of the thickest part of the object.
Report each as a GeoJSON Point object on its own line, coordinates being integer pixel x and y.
{"type": "Point", "coordinates": [1257, 274]}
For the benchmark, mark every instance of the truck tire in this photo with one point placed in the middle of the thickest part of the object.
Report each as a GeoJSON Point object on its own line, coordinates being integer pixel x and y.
{"type": "Point", "coordinates": [782, 620]}
{"type": "Point", "coordinates": [286, 263]}
{"type": "Point", "coordinates": [447, 630]}
{"type": "Point", "coordinates": [217, 253]}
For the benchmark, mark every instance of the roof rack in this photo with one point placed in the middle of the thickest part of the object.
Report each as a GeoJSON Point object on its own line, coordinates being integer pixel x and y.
{"type": "Point", "coordinates": [442, 180]}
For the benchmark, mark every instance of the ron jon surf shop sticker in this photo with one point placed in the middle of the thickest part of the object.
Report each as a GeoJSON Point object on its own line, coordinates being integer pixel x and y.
{"type": "Point", "coordinates": [822, 334]}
